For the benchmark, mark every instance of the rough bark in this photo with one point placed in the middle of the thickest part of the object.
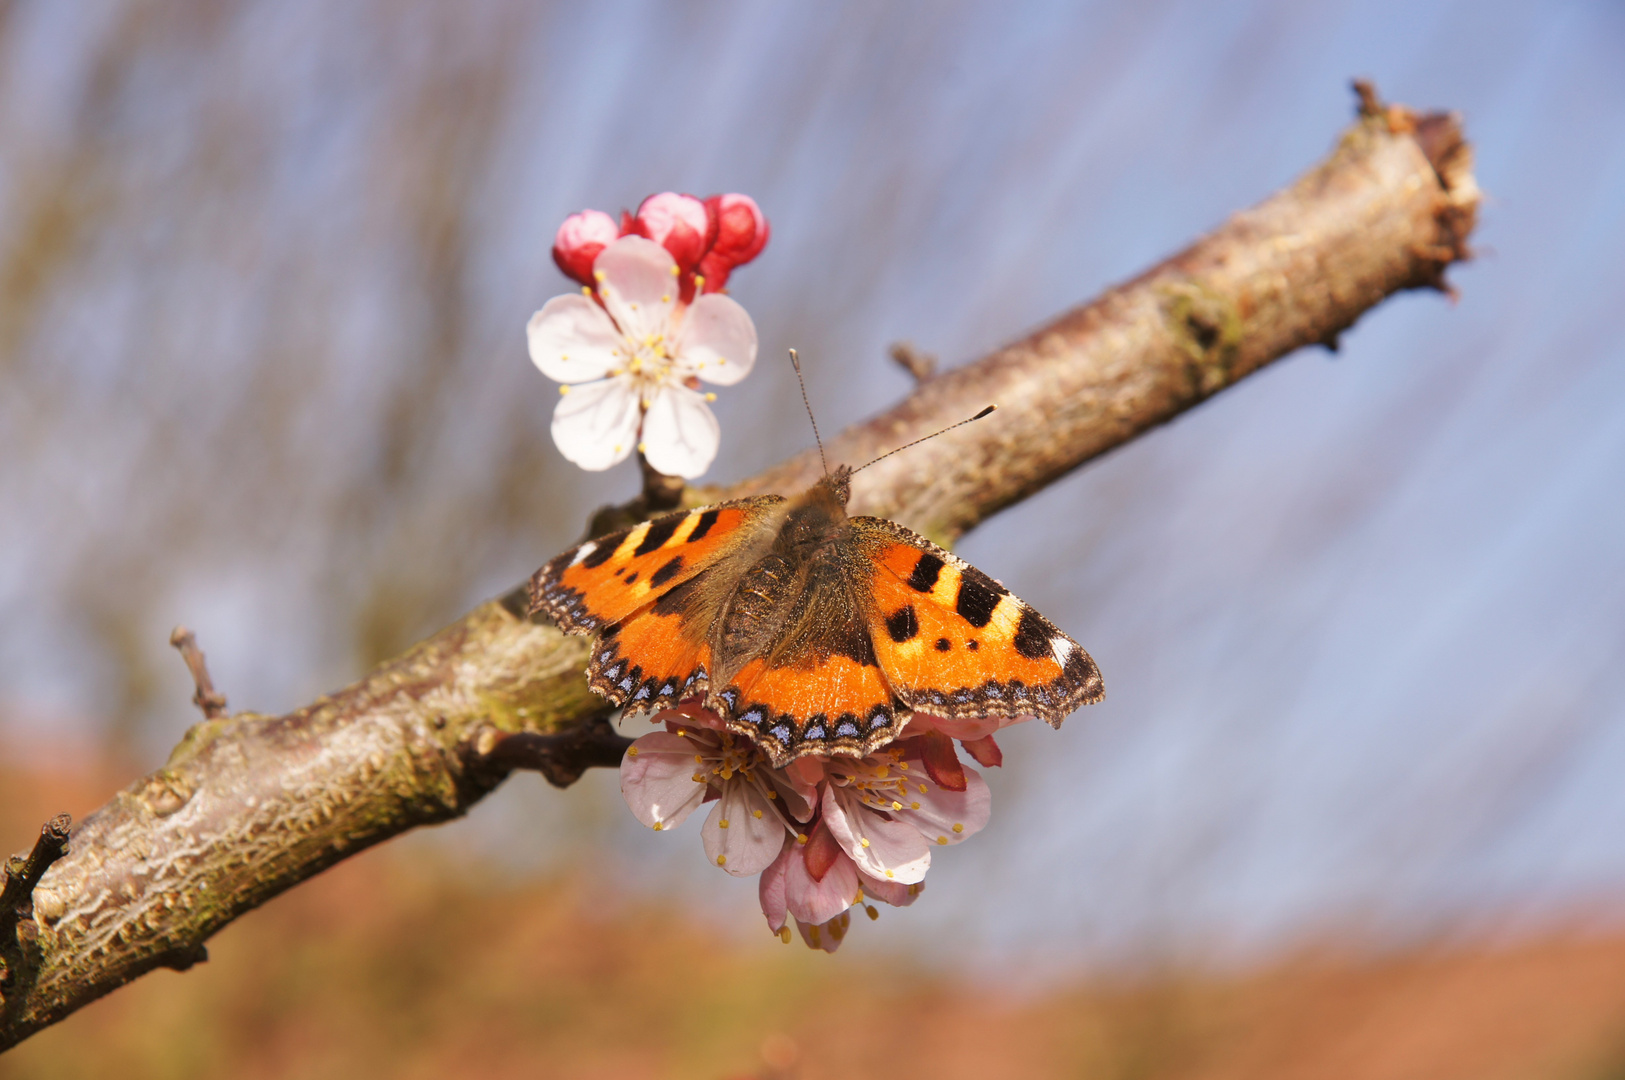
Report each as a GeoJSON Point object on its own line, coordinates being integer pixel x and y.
{"type": "Point", "coordinates": [248, 805]}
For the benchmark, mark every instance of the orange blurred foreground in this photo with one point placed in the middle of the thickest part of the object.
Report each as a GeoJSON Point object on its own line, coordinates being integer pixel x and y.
{"type": "Point", "coordinates": [387, 968]}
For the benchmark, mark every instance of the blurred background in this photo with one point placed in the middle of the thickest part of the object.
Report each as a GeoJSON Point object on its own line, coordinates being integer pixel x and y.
{"type": "Point", "coordinates": [1355, 791]}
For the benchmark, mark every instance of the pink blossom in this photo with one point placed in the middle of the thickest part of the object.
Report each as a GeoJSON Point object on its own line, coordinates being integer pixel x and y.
{"type": "Point", "coordinates": [741, 234]}
{"type": "Point", "coordinates": [678, 223]}
{"type": "Point", "coordinates": [580, 239]}
{"type": "Point", "coordinates": [824, 833]}
{"type": "Point", "coordinates": [666, 775]}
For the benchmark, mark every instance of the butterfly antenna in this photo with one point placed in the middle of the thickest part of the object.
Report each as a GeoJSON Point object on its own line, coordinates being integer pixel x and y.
{"type": "Point", "coordinates": [968, 420]}
{"type": "Point", "coordinates": [795, 362]}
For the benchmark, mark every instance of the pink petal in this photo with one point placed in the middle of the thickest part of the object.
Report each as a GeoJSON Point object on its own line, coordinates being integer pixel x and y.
{"type": "Point", "coordinates": [941, 761]}
{"type": "Point", "coordinates": [891, 892]}
{"type": "Point", "coordinates": [680, 433]}
{"type": "Point", "coordinates": [984, 750]}
{"type": "Point", "coordinates": [718, 340]}
{"type": "Point", "coordinates": [821, 851]}
{"type": "Point", "coordinates": [679, 223]}
{"type": "Point", "coordinates": [799, 799]}
{"type": "Point", "coordinates": [657, 780]}
{"type": "Point", "coordinates": [637, 279]}
{"type": "Point", "coordinates": [754, 835]}
{"type": "Point", "coordinates": [596, 424]}
{"type": "Point", "coordinates": [818, 901]}
{"type": "Point", "coordinates": [946, 817]}
{"type": "Point", "coordinates": [889, 850]}
{"type": "Point", "coordinates": [572, 340]}
{"type": "Point", "coordinates": [770, 888]}
{"type": "Point", "coordinates": [973, 727]}
{"type": "Point", "coordinates": [742, 228]}
{"type": "Point", "coordinates": [580, 239]}
{"type": "Point", "coordinates": [826, 935]}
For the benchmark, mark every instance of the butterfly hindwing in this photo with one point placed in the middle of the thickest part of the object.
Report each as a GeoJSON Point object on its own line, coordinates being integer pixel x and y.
{"type": "Point", "coordinates": [954, 642]}
{"type": "Point", "coordinates": [819, 691]}
{"type": "Point", "coordinates": [603, 581]}
{"type": "Point", "coordinates": [658, 655]}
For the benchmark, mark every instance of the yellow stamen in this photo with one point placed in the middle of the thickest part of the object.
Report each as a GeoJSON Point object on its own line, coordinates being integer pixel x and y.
{"type": "Point", "coordinates": [698, 760]}
{"type": "Point", "coordinates": [674, 273]}
{"type": "Point", "coordinates": [758, 814]}
{"type": "Point", "coordinates": [784, 931]}
{"type": "Point", "coordinates": [958, 827]}
{"type": "Point", "coordinates": [722, 860]}
{"type": "Point", "coordinates": [643, 448]}
{"type": "Point", "coordinates": [772, 794]}
{"type": "Point", "coordinates": [873, 914]}
{"type": "Point", "coordinates": [699, 282]}
{"type": "Point", "coordinates": [883, 772]}
{"type": "Point", "coordinates": [564, 389]}
{"type": "Point", "coordinates": [631, 751]}
{"type": "Point", "coordinates": [913, 806]}
{"type": "Point", "coordinates": [890, 874]}
{"type": "Point", "coordinates": [723, 823]}
{"type": "Point", "coordinates": [658, 826]}
{"type": "Point", "coordinates": [710, 397]}
{"type": "Point", "coordinates": [665, 298]}
{"type": "Point", "coordinates": [682, 733]}
{"type": "Point", "coordinates": [698, 778]}
{"type": "Point", "coordinates": [897, 805]}
{"type": "Point", "coordinates": [599, 275]}
{"type": "Point", "coordinates": [864, 840]}
{"type": "Point", "coordinates": [586, 291]}
{"type": "Point", "coordinates": [801, 838]}
{"type": "Point", "coordinates": [942, 839]}
{"type": "Point", "coordinates": [922, 789]}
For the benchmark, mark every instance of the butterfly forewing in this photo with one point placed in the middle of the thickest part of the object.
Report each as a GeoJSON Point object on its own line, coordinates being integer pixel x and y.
{"type": "Point", "coordinates": [954, 642]}
{"type": "Point", "coordinates": [603, 581]}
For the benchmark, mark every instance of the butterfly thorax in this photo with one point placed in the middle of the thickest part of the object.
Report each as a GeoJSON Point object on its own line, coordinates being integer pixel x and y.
{"type": "Point", "coordinates": [762, 613]}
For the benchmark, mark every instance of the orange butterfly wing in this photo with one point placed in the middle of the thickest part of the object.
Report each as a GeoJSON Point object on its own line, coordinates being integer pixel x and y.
{"type": "Point", "coordinates": [954, 642]}
{"type": "Point", "coordinates": [641, 590]}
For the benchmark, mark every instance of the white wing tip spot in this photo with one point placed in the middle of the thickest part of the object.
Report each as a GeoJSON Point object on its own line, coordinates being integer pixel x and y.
{"type": "Point", "coordinates": [583, 551]}
{"type": "Point", "coordinates": [1062, 648]}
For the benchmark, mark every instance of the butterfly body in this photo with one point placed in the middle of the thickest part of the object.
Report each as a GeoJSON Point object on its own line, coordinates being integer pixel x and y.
{"type": "Point", "coordinates": [809, 631]}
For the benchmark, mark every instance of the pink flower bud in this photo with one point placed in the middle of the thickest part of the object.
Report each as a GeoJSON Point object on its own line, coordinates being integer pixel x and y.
{"type": "Point", "coordinates": [678, 223]}
{"type": "Point", "coordinates": [580, 239]}
{"type": "Point", "coordinates": [741, 228]}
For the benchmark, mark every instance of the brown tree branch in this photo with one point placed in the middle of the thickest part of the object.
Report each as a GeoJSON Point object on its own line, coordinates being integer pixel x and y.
{"type": "Point", "coordinates": [248, 805]}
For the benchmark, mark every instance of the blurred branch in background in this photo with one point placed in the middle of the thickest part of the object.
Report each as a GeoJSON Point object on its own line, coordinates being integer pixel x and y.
{"type": "Point", "coordinates": [250, 805]}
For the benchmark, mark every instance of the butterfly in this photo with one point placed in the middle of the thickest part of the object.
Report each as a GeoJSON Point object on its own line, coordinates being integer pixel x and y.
{"type": "Point", "coordinates": [807, 630]}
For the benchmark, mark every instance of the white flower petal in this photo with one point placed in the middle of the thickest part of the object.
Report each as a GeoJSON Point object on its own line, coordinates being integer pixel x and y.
{"type": "Point", "coordinates": [718, 340]}
{"type": "Point", "coordinates": [636, 278]}
{"type": "Point", "coordinates": [815, 902]}
{"type": "Point", "coordinates": [657, 780]}
{"type": "Point", "coordinates": [596, 424]}
{"type": "Point", "coordinates": [753, 835]}
{"type": "Point", "coordinates": [947, 817]}
{"type": "Point", "coordinates": [889, 850]}
{"type": "Point", "coordinates": [680, 435]}
{"type": "Point", "coordinates": [572, 340]}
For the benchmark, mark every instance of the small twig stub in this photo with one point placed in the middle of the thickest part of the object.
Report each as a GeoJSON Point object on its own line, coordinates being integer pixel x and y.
{"type": "Point", "coordinates": [207, 698]}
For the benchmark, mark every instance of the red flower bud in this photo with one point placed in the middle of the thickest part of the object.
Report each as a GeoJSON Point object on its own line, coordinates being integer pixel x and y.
{"type": "Point", "coordinates": [741, 228]}
{"type": "Point", "coordinates": [579, 240]}
{"type": "Point", "coordinates": [679, 223]}
{"type": "Point", "coordinates": [715, 268]}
